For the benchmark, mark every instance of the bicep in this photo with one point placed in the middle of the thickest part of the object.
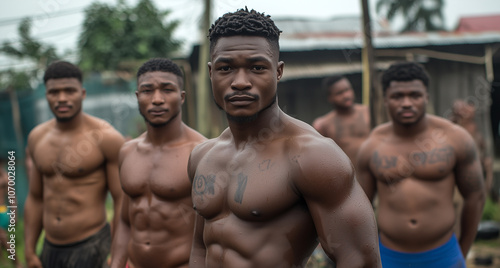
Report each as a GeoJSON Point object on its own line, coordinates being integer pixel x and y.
{"type": "Point", "coordinates": [346, 228]}
{"type": "Point", "coordinates": [364, 174]}
{"type": "Point", "coordinates": [468, 170]}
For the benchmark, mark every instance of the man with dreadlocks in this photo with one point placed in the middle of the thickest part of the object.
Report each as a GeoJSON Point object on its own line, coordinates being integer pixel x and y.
{"type": "Point", "coordinates": [270, 186]}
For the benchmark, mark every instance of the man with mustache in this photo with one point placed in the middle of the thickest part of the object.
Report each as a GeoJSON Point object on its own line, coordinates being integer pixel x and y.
{"type": "Point", "coordinates": [157, 221]}
{"type": "Point", "coordinates": [75, 165]}
{"type": "Point", "coordinates": [349, 123]}
{"type": "Point", "coordinates": [413, 163]}
{"type": "Point", "coordinates": [270, 186]}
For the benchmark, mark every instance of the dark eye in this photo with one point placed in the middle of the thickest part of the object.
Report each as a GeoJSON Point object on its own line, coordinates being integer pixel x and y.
{"type": "Point", "coordinates": [259, 68]}
{"type": "Point", "coordinates": [225, 68]}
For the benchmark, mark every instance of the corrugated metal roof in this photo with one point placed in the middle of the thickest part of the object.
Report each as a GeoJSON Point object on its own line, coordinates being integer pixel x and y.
{"type": "Point", "coordinates": [346, 33]}
{"type": "Point", "coordinates": [393, 41]}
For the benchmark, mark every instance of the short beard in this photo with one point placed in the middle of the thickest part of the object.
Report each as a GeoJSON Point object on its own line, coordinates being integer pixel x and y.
{"type": "Point", "coordinates": [247, 119]}
{"type": "Point", "coordinates": [67, 119]}
{"type": "Point", "coordinates": [159, 125]}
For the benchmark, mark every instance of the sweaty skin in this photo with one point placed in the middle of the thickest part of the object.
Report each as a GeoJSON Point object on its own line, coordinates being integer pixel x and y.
{"type": "Point", "coordinates": [157, 223]}
{"type": "Point", "coordinates": [75, 164]}
{"type": "Point", "coordinates": [413, 163]}
{"type": "Point", "coordinates": [269, 188]}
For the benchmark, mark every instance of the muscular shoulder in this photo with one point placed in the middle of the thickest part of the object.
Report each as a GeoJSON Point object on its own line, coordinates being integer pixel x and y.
{"type": "Point", "coordinates": [39, 131]}
{"type": "Point", "coordinates": [317, 163]}
{"type": "Point", "coordinates": [456, 136]}
{"type": "Point", "coordinates": [321, 122]}
{"type": "Point", "coordinates": [104, 134]}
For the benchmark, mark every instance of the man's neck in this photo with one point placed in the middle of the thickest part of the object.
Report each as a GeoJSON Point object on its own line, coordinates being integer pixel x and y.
{"type": "Point", "coordinates": [71, 124]}
{"type": "Point", "coordinates": [407, 131]}
{"type": "Point", "coordinates": [267, 125]}
{"type": "Point", "coordinates": [167, 133]}
{"type": "Point", "coordinates": [345, 110]}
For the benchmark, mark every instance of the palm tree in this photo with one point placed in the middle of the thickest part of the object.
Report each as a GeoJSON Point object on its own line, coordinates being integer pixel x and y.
{"type": "Point", "coordinates": [418, 15]}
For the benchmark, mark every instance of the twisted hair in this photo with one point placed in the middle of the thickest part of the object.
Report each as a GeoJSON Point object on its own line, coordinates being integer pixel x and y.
{"type": "Point", "coordinates": [161, 65]}
{"type": "Point", "coordinates": [62, 69]}
{"type": "Point", "coordinates": [247, 23]}
{"type": "Point", "coordinates": [404, 71]}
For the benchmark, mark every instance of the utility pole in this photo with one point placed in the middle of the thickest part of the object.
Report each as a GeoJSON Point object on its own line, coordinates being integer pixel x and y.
{"type": "Point", "coordinates": [371, 92]}
{"type": "Point", "coordinates": [203, 88]}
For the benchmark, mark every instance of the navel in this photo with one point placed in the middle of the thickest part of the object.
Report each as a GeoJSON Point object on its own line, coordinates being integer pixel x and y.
{"type": "Point", "coordinates": [255, 213]}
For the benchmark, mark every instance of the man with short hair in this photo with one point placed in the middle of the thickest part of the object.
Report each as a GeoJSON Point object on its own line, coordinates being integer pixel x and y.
{"type": "Point", "coordinates": [349, 123]}
{"type": "Point", "coordinates": [270, 186]}
{"type": "Point", "coordinates": [413, 163]}
{"type": "Point", "coordinates": [157, 220]}
{"type": "Point", "coordinates": [75, 164]}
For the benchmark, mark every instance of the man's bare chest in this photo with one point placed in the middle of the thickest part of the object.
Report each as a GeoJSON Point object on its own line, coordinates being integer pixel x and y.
{"type": "Point", "coordinates": [70, 156]}
{"type": "Point", "coordinates": [162, 175]}
{"type": "Point", "coordinates": [394, 163]}
{"type": "Point", "coordinates": [255, 187]}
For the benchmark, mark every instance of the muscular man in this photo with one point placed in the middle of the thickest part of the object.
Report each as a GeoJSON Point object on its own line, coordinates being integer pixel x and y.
{"type": "Point", "coordinates": [349, 123]}
{"type": "Point", "coordinates": [463, 114]}
{"type": "Point", "coordinates": [157, 221]}
{"type": "Point", "coordinates": [270, 186]}
{"type": "Point", "coordinates": [75, 164]}
{"type": "Point", "coordinates": [414, 162]}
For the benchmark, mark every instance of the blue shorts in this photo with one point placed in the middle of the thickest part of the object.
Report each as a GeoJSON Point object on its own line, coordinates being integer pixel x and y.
{"type": "Point", "coordinates": [448, 255]}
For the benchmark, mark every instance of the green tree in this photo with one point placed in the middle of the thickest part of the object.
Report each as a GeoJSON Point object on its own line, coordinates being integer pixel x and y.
{"type": "Point", "coordinates": [29, 49]}
{"type": "Point", "coordinates": [418, 15]}
{"type": "Point", "coordinates": [116, 38]}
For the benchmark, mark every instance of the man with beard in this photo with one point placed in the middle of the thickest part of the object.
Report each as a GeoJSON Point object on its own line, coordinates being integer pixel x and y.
{"type": "Point", "coordinates": [349, 123]}
{"type": "Point", "coordinates": [157, 220]}
{"type": "Point", "coordinates": [75, 164]}
{"type": "Point", "coordinates": [270, 186]}
{"type": "Point", "coordinates": [414, 162]}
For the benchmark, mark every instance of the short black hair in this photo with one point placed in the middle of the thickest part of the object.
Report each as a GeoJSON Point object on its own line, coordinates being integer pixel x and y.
{"type": "Point", "coordinates": [329, 81]}
{"type": "Point", "coordinates": [161, 65]}
{"type": "Point", "coordinates": [404, 71]}
{"type": "Point", "coordinates": [246, 23]}
{"type": "Point", "coordinates": [62, 69]}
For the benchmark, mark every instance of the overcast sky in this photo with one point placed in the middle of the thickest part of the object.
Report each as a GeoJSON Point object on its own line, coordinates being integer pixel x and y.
{"type": "Point", "coordinates": [58, 22]}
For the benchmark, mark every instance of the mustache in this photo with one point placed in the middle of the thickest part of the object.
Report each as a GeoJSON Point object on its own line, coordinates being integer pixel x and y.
{"type": "Point", "coordinates": [157, 110]}
{"type": "Point", "coordinates": [228, 96]}
{"type": "Point", "coordinates": [63, 105]}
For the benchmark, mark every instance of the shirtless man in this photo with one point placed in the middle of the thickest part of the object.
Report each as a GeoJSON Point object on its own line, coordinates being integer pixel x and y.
{"type": "Point", "coordinates": [270, 186]}
{"type": "Point", "coordinates": [75, 164]}
{"type": "Point", "coordinates": [464, 114]}
{"type": "Point", "coordinates": [349, 123]}
{"type": "Point", "coordinates": [414, 162]}
{"type": "Point", "coordinates": [157, 221]}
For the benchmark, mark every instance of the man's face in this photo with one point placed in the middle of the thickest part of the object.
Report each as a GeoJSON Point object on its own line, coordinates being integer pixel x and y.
{"type": "Point", "coordinates": [159, 97]}
{"type": "Point", "coordinates": [244, 72]}
{"type": "Point", "coordinates": [341, 94]}
{"type": "Point", "coordinates": [406, 101]}
{"type": "Point", "coordinates": [65, 96]}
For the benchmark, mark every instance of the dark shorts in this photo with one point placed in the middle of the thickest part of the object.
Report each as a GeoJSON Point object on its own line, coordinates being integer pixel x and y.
{"type": "Point", "coordinates": [90, 252]}
{"type": "Point", "coordinates": [448, 255]}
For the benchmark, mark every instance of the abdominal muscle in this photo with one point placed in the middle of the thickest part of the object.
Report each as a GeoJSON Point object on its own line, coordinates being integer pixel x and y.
{"type": "Point", "coordinates": [415, 220]}
{"type": "Point", "coordinates": [232, 242]}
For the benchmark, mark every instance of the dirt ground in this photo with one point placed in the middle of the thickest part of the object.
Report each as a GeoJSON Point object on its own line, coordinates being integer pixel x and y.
{"type": "Point", "coordinates": [491, 248]}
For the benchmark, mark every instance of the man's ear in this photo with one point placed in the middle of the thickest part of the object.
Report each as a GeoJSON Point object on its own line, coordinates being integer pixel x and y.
{"type": "Point", "coordinates": [279, 71]}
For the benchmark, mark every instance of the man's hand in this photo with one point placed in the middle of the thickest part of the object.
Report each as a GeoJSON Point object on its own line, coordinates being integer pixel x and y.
{"type": "Point", "coordinates": [33, 262]}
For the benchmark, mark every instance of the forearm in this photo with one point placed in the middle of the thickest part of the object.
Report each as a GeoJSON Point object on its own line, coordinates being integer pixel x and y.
{"type": "Point", "coordinates": [32, 224]}
{"type": "Point", "coordinates": [197, 258]}
{"type": "Point", "coordinates": [471, 215]}
{"type": "Point", "coordinates": [119, 247]}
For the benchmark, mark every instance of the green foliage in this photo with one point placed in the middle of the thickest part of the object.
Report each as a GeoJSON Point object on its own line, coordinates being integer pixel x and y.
{"type": "Point", "coordinates": [491, 211]}
{"type": "Point", "coordinates": [120, 37]}
{"type": "Point", "coordinates": [418, 15]}
{"type": "Point", "coordinates": [27, 49]}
